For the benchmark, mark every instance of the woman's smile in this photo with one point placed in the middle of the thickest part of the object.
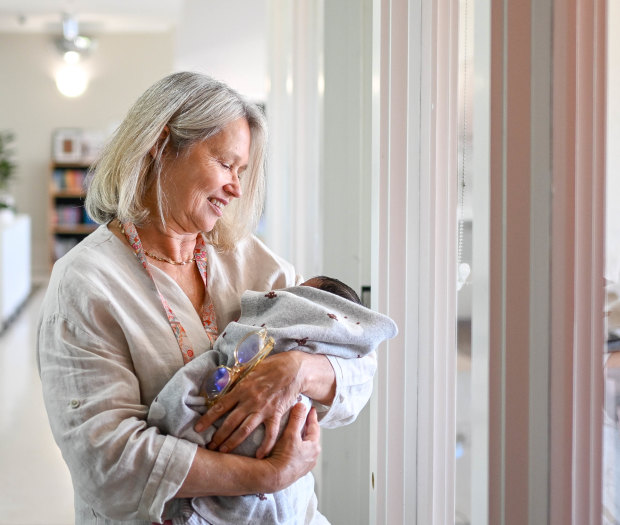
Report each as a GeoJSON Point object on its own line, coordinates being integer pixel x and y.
{"type": "Point", "coordinates": [198, 186]}
{"type": "Point", "coordinates": [218, 205]}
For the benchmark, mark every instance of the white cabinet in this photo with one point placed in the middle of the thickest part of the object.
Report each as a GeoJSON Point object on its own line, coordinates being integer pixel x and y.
{"type": "Point", "coordinates": [15, 279]}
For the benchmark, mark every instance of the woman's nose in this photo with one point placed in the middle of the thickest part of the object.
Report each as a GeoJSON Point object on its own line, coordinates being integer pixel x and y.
{"type": "Point", "coordinates": [233, 188]}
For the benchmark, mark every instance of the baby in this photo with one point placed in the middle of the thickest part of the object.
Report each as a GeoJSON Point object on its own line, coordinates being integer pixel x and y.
{"type": "Point", "coordinates": [321, 316]}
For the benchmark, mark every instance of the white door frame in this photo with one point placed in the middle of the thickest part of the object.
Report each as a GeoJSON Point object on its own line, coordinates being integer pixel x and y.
{"type": "Point", "coordinates": [415, 260]}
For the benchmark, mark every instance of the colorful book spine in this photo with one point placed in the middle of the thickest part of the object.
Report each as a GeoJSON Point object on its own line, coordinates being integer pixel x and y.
{"type": "Point", "coordinates": [69, 179]}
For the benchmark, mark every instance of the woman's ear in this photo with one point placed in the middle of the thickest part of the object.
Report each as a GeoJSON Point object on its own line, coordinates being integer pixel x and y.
{"type": "Point", "coordinates": [162, 138]}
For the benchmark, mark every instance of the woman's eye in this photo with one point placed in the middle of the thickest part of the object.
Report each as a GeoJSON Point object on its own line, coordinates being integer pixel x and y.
{"type": "Point", "coordinates": [225, 166]}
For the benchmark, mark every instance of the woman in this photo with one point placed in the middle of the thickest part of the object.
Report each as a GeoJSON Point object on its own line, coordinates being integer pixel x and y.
{"type": "Point", "coordinates": [177, 192]}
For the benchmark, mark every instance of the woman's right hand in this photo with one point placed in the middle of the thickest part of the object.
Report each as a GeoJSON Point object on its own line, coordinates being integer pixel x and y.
{"type": "Point", "coordinates": [265, 395]}
{"type": "Point", "coordinates": [293, 456]}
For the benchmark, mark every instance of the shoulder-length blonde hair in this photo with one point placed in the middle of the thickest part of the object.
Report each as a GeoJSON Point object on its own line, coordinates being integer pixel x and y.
{"type": "Point", "coordinates": [193, 107]}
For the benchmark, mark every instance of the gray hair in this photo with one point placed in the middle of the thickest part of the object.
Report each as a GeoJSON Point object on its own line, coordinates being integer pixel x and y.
{"type": "Point", "coordinates": [194, 107]}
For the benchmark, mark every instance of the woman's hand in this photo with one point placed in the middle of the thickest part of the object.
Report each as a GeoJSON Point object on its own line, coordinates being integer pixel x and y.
{"type": "Point", "coordinates": [295, 454]}
{"type": "Point", "coordinates": [297, 451]}
{"type": "Point", "coordinates": [265, 395]}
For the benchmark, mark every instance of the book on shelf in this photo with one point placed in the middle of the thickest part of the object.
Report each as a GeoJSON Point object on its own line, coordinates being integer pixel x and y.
{"type": "Point", "coordinates": [68, 215]}
{"type": "Point", "coordinates": [71, 215]}
{"type": "Point", "coordinates": [69, 179]}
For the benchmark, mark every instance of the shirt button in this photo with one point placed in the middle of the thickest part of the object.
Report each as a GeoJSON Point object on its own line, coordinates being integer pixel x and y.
{"type": "Point", "coordinates": [74, 403]}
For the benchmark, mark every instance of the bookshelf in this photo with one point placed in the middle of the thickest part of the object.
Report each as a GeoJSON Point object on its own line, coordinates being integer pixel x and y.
{"type": "Point", "coordinates": [69, 222]}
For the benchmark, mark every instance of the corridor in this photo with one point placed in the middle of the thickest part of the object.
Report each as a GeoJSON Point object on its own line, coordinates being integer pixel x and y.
{"type": "Point", "coordinates": [35, 486]}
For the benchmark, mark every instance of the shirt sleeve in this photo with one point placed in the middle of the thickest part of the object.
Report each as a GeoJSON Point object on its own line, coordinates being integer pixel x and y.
{"type": "Point", "coordinates": [354, 382]}
{"type": "Point", "coordinates": [123, 469]}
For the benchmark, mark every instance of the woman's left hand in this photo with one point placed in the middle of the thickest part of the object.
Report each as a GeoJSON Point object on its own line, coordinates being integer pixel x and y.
{"type": "Point", "coordinates": [264, 396]}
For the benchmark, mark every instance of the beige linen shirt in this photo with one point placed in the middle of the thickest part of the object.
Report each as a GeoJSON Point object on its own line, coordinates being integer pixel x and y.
{"type": "Point", "coordinates": [105, 349]}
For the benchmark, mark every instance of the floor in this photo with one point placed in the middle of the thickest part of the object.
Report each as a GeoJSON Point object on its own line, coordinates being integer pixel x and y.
{"type": "Point", "coordinates": [35, 486]}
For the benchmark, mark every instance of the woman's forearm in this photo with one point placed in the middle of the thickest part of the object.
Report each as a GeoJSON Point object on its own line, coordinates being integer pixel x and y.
{"type": "Point", "coordinates": [214, 473]}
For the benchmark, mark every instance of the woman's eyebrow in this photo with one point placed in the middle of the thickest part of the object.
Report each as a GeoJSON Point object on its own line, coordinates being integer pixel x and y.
{"type": "Point", "coordinates": [223, 152]}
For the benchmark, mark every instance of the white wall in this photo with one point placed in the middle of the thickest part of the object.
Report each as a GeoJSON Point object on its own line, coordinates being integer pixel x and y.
{"type": "Point", "coordinates": [226, 40]}
{"type": "Point", "coordinates": [30, 105]}
{"type": "Point", "coordinates": [346, 236]}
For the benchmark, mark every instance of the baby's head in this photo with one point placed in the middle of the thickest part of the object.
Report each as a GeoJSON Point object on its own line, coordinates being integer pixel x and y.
{"type": "Point", "coordinates": [333, 285]}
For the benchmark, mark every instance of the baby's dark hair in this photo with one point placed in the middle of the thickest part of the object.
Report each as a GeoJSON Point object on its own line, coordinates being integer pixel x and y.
{"type": "Point", "coordinates": [333, 285]}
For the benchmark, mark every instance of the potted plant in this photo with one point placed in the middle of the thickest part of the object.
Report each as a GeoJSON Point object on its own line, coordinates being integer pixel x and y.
{"type": "Point", "coordinates": [7, 174]}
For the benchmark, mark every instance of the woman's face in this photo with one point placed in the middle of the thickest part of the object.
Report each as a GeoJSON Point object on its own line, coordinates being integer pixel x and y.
{"type": "Point", "coordinates": [200, 184]}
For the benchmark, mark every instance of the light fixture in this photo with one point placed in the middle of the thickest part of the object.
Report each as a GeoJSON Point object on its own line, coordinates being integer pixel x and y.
{"type": "Point", "coordinates": [71, 39]}
{"type": "Point", "coordinates": [71, 57]}
{"type": "Point", "coordinates": [71, 78]}
{"type": "Point", "coordinates": [69, 27]}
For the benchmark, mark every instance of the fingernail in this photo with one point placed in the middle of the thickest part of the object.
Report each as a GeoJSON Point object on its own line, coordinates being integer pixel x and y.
{"type": "Point", "coordinates": [224, 449]}
{"type": "Point", "coordinates": [199, 427]}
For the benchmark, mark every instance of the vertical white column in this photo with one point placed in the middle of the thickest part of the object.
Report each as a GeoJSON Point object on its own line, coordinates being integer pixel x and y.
{"type": "Point", "coordinates": [277, 228]}
{"type": "Point", "coordinates": [346, 171]}
{"type": "Point", "coordinates": [480, 347]}
{"type": "Point", "coordinates": [415, 260]}
{"type": "Point", "coordinates": [345, 197]}
{"type": "Point", "coordinates": [307, 178]}
{"type": "Point", "coordinates": [293, 213]}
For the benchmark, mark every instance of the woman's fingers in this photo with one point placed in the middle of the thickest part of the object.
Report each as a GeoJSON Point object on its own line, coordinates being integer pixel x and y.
{"type": "Point", "coordinates": [296, 423]}
{"type": "Point", "coordinates": [272, 428]}
{"type": "Point", "coordinates": [312, 430]}
{"type": "Point", "coordinates": [223, 405]}
{"type": "Point", "coordinates": [229, 441]}
{"type": "Point", "coordinates": [294, 455]}
{"type": "Point", "coordinates": [232, 422]}
{"type": "Point", "coordinates": [263, 396]}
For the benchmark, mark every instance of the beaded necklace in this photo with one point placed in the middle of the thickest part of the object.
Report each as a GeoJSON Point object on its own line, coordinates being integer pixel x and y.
{"type": "Point", "coordinates": [207, 315]}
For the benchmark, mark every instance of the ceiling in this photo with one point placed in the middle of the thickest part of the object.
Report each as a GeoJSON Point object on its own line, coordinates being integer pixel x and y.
{"type": "Point", "coordinates": [94, 16]}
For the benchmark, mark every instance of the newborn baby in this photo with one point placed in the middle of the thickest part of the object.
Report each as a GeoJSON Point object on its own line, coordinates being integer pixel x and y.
{"type": "Point", "coordinates": [321, 316]}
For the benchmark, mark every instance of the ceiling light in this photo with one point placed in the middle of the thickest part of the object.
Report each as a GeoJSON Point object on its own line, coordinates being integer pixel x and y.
{"type": "Point", "coordinates": [71, 80]}
{"type": "Point", "coordinates": [71, 57]}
